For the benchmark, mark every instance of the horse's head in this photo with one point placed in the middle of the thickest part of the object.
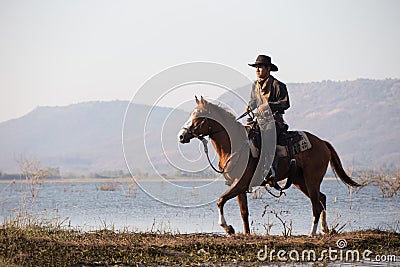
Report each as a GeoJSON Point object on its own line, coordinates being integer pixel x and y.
{"type": "Point", "coordinates": [199, 123]}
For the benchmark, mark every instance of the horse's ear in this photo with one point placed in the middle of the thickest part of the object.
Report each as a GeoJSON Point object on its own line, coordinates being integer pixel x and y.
{"type": "Point", "coordinates": [202, 101]}
{"type": "Point", "coordinates": [197, 100]}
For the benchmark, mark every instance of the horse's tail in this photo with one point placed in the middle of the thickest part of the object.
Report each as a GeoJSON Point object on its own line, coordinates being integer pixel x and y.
{"type": "Point", "coordinates": [338, 168]}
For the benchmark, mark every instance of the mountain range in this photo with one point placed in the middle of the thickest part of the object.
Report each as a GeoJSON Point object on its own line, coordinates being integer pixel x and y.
{"type": "Point", "coordinates": [360, 118]}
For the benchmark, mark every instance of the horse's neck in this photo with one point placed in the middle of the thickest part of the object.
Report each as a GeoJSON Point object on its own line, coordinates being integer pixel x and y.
{"type": "Point", "coordinates": [222, 141]}
{"type": "Point", "coordinates": [222, 144]}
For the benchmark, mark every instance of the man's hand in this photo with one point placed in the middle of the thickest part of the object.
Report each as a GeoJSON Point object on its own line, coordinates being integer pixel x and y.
{"type": "Point", "coordinates": [248, 109]}
{"type": "Point", "coordinates": [264, 109]}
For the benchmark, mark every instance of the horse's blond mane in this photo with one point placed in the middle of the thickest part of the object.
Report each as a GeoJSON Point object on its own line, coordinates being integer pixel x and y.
{"type": "Point", "coordinates": [226, 114]}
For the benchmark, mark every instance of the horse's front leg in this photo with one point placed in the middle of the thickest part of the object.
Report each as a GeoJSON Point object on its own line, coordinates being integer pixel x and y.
{"type": "Point", "coordinates": [237, 188]}
{"type": "Point", "coordinates": [244, 211]}
{"type": "Point", "coordinates": [222, 222]}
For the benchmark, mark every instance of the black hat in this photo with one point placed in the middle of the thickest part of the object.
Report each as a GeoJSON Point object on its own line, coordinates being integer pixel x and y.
{"type": "Point", "coordinates": [264, 60]}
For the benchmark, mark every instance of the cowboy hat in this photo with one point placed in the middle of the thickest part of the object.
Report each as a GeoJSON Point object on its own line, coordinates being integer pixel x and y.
{"type": "Point", "coordinates": [264, 60]}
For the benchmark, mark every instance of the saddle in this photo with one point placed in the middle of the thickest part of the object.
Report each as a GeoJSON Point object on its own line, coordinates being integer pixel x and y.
{"type": "Point", "coordinates": [294, 142]}
{"type": "Point", "coordinates": [288, 138]}
{"type": "Point", "coordinates": [288, 143]}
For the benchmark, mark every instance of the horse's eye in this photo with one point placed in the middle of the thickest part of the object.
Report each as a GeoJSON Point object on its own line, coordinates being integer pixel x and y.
{"type": "Point", "coordinates": [197, 111]}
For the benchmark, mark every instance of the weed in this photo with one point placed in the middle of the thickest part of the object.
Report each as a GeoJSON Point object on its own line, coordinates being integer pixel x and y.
{"type": "Point", "coordinates": [34, 175]}
{"type": "Point", "coordinates": [49, 246]}
{"type": "Point", "coordinates": [387, 181]}
{"type": "Point", "coordinates": [109, 186]}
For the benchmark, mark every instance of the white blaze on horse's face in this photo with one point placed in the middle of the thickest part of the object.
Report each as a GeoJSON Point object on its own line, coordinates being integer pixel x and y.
{"type": "Point", "coordinates": [186, 133]}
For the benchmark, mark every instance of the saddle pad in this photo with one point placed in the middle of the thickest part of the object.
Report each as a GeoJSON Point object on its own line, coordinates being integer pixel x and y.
{"type": "Point", "coordinates": [304, 143]}
{"type": "Point", "coordinates": [300, 146]}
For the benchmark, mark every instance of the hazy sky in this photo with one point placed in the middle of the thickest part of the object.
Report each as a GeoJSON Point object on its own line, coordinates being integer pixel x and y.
{"type": "Point", "coordinates": [62, 52]}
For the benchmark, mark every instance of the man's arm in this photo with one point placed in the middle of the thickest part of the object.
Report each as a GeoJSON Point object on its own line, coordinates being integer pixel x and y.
{"type": "Point", "coordinates": [281, 102]}
{"type": "Point", "coordinates": [253, 99]}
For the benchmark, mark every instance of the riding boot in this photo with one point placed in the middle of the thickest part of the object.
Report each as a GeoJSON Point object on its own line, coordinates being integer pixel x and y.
{"type": "Point", "coordinates": [270, 179]}
{"type": "Point", "coordinates": [274, 169]}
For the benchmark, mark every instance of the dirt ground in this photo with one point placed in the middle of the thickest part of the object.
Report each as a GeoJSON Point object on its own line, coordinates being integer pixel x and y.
{"type": "Point", "coordinates": [38, 246]}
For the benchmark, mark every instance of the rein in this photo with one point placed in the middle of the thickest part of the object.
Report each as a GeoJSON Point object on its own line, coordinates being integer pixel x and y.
{"type": "Point", "coordinates": [204, 141]}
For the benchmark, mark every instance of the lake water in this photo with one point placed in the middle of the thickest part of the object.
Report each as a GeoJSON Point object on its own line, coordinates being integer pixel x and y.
{"type": "Point", "coordinates": [84, 205]}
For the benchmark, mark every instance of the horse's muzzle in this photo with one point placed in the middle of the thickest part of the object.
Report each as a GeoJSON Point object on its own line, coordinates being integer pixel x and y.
{"type": "Point", "coordinates": [184, 136]}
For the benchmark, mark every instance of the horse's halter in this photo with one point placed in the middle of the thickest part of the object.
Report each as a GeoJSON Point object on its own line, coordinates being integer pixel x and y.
{"type": "Point", "coordinates": [202, 139]}
{"type": "Point", "coordinates": [201, 136]}
{"type": "Point", "coordinates": [192, 131]}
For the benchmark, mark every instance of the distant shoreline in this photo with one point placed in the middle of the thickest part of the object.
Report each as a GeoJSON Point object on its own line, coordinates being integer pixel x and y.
{"type": "Point", "coordinates": [130, 180]}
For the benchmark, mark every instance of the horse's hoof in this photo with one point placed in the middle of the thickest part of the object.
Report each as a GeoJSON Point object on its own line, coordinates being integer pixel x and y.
{"type": "Point", "coordinates": [230, 230]}
{"type": "Point", "coordinates": [332, 232]}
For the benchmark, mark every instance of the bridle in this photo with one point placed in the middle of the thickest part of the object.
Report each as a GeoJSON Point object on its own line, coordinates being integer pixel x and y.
{"type": "Point", "coordinates": [201, 136]}
{"type": "Point", "coordinates": [204, 141]}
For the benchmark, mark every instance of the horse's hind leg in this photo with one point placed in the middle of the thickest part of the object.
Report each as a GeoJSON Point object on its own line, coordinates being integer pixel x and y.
{"type": "Point", "coordinates": [318, 201]}
{"type": "Point", "coordinates": [316, 207]}
{"type": "Point", "coordinates": [324, 224]}
{"type": "Point", "coordinates": [244, 211]}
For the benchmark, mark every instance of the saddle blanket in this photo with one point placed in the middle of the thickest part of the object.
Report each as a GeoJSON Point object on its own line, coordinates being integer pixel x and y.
{"type": "Point", "coordinates": [301, 145]}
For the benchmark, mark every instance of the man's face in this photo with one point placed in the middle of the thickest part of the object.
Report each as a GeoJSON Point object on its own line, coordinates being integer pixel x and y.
{"type": "Point", "coordinates": [262, 71]}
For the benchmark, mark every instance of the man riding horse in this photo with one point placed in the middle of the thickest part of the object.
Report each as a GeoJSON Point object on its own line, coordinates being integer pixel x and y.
{"type": "Point", "coordinates": [310, 154]}
{"type": "Point", "coordinates": [269, 95]}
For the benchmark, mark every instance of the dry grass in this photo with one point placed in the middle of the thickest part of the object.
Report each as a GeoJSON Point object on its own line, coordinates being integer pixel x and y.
{"type": "Point", "coordinates": [34, 175]}
{"type": "Point", "coordinates": [127, 186]}
{"type": "Point", "coordinates": [387, 181]}
{"type": "Point", "coordinates": [109, 186]}
{"type": "Point", "coordinates": [38, 246]}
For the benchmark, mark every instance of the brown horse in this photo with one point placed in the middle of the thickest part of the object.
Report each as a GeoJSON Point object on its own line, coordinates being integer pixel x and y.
{"type": "Point", "coordinates": [230, 141]}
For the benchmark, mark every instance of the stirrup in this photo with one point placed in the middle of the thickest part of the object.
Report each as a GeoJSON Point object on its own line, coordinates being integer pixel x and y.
{"type": "Point", "coordinates": [270, 179]}
{"type": "Point", "coordinates": [273, 174]}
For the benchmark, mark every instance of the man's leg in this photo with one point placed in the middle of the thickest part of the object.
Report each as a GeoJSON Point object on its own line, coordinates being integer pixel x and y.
{"type": "Point", "coordinates": [281, 128]}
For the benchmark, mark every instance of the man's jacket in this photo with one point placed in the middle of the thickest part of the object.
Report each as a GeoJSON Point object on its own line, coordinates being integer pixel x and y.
{"type": "Point", "coordinates": [270, 91]}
